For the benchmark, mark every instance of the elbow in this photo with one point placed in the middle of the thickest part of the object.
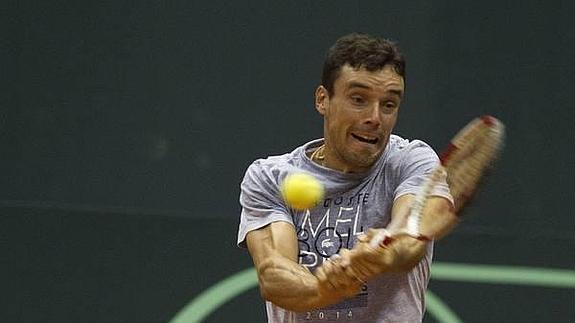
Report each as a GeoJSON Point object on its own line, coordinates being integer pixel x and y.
{"type": "Point", "coordinates": [280, 294]}
{"type": "Point", "coordinates": [267, 274]}
{"type": "Point", "coordinates": [264, 270]}
{"type": "Point", "coordinates": [265, 292]}
{"type": "Point", "coordinates": [277, 299]}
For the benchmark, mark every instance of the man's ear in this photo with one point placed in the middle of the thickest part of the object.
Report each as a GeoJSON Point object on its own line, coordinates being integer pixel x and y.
{"type": "Point", "coordinates": [321, 99]}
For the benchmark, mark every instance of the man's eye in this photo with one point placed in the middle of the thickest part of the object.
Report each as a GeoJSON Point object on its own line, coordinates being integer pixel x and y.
{"type": "Point", "coordinates": [390, 105]}
{"type": "Point", "coordinates": [357, 99]}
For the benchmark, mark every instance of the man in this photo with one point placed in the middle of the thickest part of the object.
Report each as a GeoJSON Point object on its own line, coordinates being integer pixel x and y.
{"type": "Point", "coordinates": [305, 267]}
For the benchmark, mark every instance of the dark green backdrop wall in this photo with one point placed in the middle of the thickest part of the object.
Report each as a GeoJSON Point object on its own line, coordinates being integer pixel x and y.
{"type": "Point", "coordinates": [126, 126]}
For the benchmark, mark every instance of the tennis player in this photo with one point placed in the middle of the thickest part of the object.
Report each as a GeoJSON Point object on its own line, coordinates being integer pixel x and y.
{"type": "Point", "coordinates": [317, 265]}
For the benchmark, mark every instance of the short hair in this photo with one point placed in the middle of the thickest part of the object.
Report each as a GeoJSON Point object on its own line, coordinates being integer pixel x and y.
{"type": "Point", "coordinates": [361, 51]}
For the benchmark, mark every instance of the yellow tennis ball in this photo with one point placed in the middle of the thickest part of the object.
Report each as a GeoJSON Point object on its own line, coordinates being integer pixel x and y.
{"type": "Point", "coordinates": [301, 191]}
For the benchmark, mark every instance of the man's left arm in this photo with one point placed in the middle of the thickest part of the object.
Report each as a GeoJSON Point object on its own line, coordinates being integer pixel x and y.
{"type": "Point", "coordinates": [403, 252]}
{"type": "Point", "coordinates": [400, 253]}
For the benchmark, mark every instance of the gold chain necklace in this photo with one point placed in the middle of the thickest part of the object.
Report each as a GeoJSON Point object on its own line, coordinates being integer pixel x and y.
{"type": "Point", "coordinates": [318, 155]}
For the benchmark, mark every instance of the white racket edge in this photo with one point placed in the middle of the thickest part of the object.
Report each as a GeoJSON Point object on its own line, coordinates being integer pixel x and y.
{"type": "Point", "coordinates": [418, 204]}
{"type": "Point", "coordinates": [496, 134]}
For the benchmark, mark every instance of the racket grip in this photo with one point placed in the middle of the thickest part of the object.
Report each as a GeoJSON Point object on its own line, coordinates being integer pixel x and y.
{"type": "Point", "coordinates": [381, 239]}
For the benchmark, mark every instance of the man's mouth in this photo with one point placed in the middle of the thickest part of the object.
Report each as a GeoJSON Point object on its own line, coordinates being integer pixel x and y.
{"type": "Point", "coordinates": [366, 139]}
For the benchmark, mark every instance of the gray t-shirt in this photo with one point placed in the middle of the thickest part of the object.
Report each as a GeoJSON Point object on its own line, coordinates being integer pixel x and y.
{"type": "Point", "coordinates": [352, 204]}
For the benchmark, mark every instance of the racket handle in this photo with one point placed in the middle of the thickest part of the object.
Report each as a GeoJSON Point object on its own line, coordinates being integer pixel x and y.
{"type": "Point", "coordinates": [381, 239]}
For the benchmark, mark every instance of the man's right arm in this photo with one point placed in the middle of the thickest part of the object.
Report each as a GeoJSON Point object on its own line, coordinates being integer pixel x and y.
{"type": "Point", "coordinates": [284, 282]}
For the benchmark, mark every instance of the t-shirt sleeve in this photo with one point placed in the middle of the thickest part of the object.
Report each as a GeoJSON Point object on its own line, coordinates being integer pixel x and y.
{"type": "Point", "coordinates": [418, 161]}
{"type": "Point", "coordinates": [260, 200]}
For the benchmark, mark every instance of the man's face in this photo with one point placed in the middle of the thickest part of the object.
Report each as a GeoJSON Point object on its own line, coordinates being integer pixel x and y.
{"type": "Point", "coordinates": [359, 116]}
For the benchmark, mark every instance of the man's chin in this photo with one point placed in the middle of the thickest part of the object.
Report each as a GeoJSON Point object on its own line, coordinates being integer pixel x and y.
{"type": "Point", "coordinates": [363, 162]}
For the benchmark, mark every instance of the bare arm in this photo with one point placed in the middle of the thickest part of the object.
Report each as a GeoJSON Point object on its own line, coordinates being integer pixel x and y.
{"type": "Point", "coordinates": [282, 280]}
{"type": "Point", "coordinates": [437, 220]}
{"type": "Point", "coordinates": [404, 252]}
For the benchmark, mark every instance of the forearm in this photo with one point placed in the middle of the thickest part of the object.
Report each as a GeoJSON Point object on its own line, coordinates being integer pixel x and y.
{"type": "Point", "coordinates": [401, 252]}
{"type": "Point", "coordinates": [405, 252]}
{"type": "Point", "coordinates": [438, 219]}
{"type": "Point", "coordinates": [400, 255]}
{"type": "Point", "coordinates": [286, 283]}
{"type": "Point", "coordinates": [292, 286]}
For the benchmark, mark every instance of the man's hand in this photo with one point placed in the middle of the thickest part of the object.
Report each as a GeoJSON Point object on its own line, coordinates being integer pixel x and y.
{"type": "Point", "coordinates": [368, 261]}
{"type": "Point", "coordinates": [355, 267]}
{"type": "Point", "coordinates": [336, 277]}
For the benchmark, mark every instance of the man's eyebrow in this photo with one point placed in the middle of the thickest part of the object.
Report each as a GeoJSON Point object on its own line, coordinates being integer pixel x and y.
{"type": "Point", "coordinates": [354, 84]}
{"type": "Point", "coordinates": [360, 85]}
{"type": "Point", "coordinates": [399, 93]}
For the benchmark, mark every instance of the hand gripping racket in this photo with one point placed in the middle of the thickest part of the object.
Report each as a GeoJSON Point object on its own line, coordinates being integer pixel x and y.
{"type": "Point", "coordinates": [464, 161]}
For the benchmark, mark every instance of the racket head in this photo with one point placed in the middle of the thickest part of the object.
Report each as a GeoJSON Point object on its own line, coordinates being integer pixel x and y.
{"type": "Point", "coordinates": [464, 163]}
{"type": "Point", "coordinates": [470, 155]}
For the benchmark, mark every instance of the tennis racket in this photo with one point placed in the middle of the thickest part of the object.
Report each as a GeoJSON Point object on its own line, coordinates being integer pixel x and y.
{"type": "Point", "coordinates": [464, 163]}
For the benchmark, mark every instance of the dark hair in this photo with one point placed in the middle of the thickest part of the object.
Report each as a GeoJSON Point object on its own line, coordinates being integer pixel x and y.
{"type": "Point", "coordinates": [361, 51]}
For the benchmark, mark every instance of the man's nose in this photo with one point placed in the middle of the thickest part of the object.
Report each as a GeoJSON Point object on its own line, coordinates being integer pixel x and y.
{"type": "Point", "coordinates": [374, 115]}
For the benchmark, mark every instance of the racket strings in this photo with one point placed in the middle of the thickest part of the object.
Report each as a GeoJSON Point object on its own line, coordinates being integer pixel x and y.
{"type": "Point", "coordinates": [477, 149]}
{"type": "Point", "coordinates": [463, 165]}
